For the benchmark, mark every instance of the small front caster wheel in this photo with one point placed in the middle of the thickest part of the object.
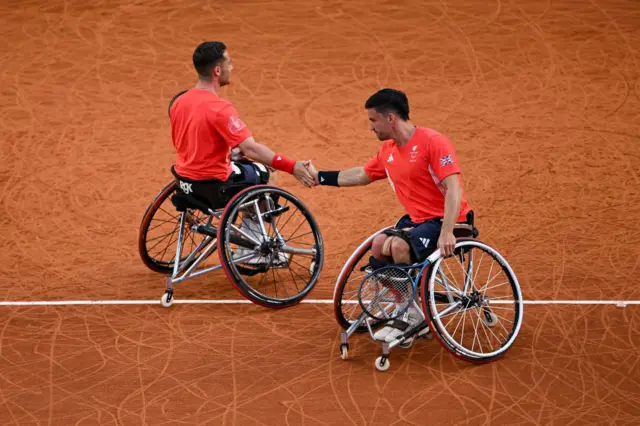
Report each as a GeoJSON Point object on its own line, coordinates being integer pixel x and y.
{"type": "Point", "coordinates": [167, 299]}
{"type": "Point", "coordinates": [382, 363]}
{"type": "Point", "coordinates": [489, 318]}
{"type": "Point", "coordinates": [344, 351]}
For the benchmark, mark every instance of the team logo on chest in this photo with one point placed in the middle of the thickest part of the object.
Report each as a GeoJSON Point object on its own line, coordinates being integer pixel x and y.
{"type": "Point", "coordinates": [413, 154]}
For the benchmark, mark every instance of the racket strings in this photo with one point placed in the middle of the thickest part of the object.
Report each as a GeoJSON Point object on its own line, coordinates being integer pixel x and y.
{"type": "Point", "coordinates": [386, 293]}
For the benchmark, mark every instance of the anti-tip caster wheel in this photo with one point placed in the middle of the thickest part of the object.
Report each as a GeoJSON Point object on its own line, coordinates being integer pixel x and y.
{"type": "Point", "coordinates": [312, 267]}
{"type": "Point", "coordinates": [382, 363]}
{"type": "Point", "coordinates": [489, 318]}
{"type": "Point", "coordinates": [344, 351]}
{"type": "Point", "coordinates": [167, 299]}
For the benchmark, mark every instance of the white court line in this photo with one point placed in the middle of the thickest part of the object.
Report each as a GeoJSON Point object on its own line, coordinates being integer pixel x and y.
{"type": "Point", "coordinates": [308, 301]}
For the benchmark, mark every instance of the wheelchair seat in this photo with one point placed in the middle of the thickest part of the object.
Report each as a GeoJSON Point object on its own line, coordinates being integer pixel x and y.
{"type": "Point", "coordinates": [466, 229]}
{"type": "Point", "coordinates": [203, 195]}
{"type": "Point", "coordinates": [183, 201]}
{"type": "Point", "coordinates": [463, 230]}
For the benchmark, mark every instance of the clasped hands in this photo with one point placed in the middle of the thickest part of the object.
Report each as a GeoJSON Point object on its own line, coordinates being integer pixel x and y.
{"type": "Point", "coordinates": [306, 173]}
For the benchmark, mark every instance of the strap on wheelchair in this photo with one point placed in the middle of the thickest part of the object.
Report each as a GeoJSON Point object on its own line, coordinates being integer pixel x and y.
{"type": "Point", "coordinates": [398, 233]}
{"type": "Point", "coordinates": [378, 264]}
{"type": "Point", "coordinates": [184, 201]}
{"type": "Point", "coordinates": [407, 238]}
{"type": "Point", "coordinates": [205, 194]}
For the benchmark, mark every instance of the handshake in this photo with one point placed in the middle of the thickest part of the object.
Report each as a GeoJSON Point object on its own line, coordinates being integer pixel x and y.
{"type": "Point", "coordinates": [306, 173]}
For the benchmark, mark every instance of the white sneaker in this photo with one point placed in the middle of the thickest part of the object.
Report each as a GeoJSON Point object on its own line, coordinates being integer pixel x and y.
{"type": "Point", "coordinates": [381, 334]}
{"type": "Point", "coordinates": [253, 228]}
{"type": "Point", "coordinates": [412, 318]}
{"type": "Point", "coordinates": [388, 328]}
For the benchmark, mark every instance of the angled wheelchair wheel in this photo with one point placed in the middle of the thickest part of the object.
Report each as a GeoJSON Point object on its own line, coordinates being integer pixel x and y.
{"type": "Point", "coordinates": [270, 246]}
{"type": "Point", "coordinates": [345, 294]}
{"type": "Point", "coordinates": [473, 302]}
{"type": "Point", "coordinates": [346, 307]}
{"type": "Point", "coordinates": [159, 230]}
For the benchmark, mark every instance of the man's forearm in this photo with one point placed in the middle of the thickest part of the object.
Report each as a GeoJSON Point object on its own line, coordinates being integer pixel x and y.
{"type": "Point", "coordinates": [353, 177]}
{"type": "Point", "coordinates": [259, 153]}
{"type": "Point", "coordinates": [452, 202]}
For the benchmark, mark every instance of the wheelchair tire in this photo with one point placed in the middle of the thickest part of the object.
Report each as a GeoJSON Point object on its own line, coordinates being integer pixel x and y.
{"type": "Point", "coordinates": [503, 317]}
{"type": "Point", "coordinates": [345, 294]}
{"type": "Point", "coordinates": [247, 284]}
{"type": "Point", "coordinates": [162, 261]}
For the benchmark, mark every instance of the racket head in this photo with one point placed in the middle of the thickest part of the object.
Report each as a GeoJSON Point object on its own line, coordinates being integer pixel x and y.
{"type": "Point", "coordinates": [386, 293]}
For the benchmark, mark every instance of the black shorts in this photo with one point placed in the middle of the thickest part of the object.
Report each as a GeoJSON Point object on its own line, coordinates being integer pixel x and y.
{"type": "Point", "coordinates": [216, 193]}
{"type": "Point", "coordinates": [423, 237]}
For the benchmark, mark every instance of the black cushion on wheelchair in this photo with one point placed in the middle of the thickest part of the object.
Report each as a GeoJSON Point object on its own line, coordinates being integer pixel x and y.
{"type": "Point", "coordinates": [462, 230]}
{"type": "Point", "coordinates": [183, 201]}
{"type": "Point", "coordinates": [205, 194]}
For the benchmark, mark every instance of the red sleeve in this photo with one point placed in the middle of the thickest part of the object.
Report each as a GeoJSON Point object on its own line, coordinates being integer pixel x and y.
{"type": "Point", "coordinates": [230, 127]}
{"type": "Point", "coordinates": [442, 158]}
{"type": "Point", "coordinates": [374, 168]}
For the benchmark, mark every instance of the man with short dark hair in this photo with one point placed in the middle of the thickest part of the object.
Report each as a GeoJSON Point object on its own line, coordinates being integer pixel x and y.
{"type": "Point", "coordinates": [421, 167]}
{"type": "Point", "coordinates": [206, 129]}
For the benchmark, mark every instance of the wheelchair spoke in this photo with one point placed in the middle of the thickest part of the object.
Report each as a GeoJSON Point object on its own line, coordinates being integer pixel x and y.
{"type": "Point", "coordinates": [475, 276]}
{"type": "Point", "coordinates": [173, 216]}
{"type": "Point", "coordinates": [162, 222]}
{"type": "Point", "coordinates": [171, 234]}
{"type": "Point", "coordinates": [161, 236]}
{"type": "Point", "coordinates": [484, 329]}
{"type": "Point", "coordinates": [279, 229]}
{"type": "Point", "coordinates": [275, 281]}
{"type": "Point", "coordinates": [294, 279]}
{"type": "Point", "coordinates": [299, 236]}
{"type": "Point", "coordinates": [294, 232]}
{"type": "Point", "coordinates": [485, 288]}
{"type": "Point", "coordinates": [274, 224]}
{"type": "Point", "coordinates": [455, 283]}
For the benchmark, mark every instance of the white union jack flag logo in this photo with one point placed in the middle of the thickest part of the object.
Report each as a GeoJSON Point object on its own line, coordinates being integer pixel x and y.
{"type": "Point", "coordinates": [446, 160]}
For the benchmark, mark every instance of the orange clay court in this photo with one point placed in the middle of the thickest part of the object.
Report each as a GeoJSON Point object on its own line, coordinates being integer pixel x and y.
{"type": "Point", "coordinates": [541, 100]}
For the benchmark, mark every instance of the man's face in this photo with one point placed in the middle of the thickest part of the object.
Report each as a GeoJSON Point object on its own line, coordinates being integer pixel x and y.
{"type": "Point", "coordinates": [225, 69]}
{"type": "Point", "coordinates": [381, 124]}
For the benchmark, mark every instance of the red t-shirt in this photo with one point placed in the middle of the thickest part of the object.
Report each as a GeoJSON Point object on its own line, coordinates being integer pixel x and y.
{"type": "Point", "coordinates": [415, 171]}
{"type": "Point", "coordinates": [204, 129]}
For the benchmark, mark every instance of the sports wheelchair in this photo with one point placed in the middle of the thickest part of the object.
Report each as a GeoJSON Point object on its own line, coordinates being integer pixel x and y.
{"type": "Point", "coordinates": [470, 301]}
{"type": "Point", "coordinates": [268, 243]}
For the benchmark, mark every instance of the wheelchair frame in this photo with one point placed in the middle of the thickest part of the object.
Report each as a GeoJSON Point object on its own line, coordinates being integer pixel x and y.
{"type": "Point", "coordinates": [188, 268]}
{"type": "Point", "coordinates": [382, 363]}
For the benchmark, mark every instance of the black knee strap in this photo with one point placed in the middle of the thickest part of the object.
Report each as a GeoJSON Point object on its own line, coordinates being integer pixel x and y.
{"type": "Point", "coordinates": [406, 237]}
{"type": "Point", "coordinates": [377, 263]}
{"type": "Point", "coordinates": [399, 233]}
